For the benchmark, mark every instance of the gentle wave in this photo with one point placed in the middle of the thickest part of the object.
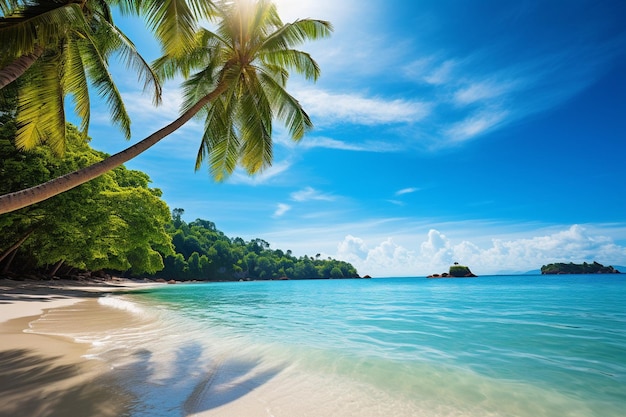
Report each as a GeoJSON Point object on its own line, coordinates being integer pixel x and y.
{"type": "Point", "coordinates": [120, 304]}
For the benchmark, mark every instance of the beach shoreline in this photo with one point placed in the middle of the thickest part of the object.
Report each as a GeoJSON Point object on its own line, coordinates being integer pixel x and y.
{"type": "Point", "coordinates": [47, 375]}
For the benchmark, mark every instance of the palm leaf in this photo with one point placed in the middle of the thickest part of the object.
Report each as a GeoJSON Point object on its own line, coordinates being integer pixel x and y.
{"type": "Point", "coordinates": [286, 107]}
{"type": "Point", "coordinates": [26, 28]}
{"type": "Point", "coordinates": [74, 81]}
{"type": "Point", "coordinates": [40, 118]}
{"type": "Point", "coordinates": [299, 61]}
{"type": "Point", "coordinates": [255, 124]}
{"type": "Point", "coordinates": [128, 52]}
{"type": "Point", "coordinates": [220, 141]}
{"type": "Point", "coordinates": [97, 68]}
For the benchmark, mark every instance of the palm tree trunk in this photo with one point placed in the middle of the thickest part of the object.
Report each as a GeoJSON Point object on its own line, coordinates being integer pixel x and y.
{"type": "Point", "coordinates": [19, 199]}
{"type": "Point", "coordinates": [17, 68]}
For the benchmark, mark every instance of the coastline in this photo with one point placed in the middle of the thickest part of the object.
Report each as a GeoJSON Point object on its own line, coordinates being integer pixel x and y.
{"type": "Point", "coordinates": [46, 375]}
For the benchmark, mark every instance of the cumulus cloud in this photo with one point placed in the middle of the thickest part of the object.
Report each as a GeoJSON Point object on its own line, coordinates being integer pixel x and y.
{"type": "Point", "coordinates": [437, 252]}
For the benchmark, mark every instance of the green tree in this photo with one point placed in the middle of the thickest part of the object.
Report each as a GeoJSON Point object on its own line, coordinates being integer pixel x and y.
{"type": "Point", "coordinates": [65, 46]}
{"type": "Point", "coordinates": [115, 222]}
{"type": "Point", "coordinates": [239, 87]}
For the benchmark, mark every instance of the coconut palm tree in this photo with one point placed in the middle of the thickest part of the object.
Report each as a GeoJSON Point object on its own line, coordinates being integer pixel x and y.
{"type": "Point", "coordinates": [239, 88]}
{"type": "Point", "coordinates": [63, 45]}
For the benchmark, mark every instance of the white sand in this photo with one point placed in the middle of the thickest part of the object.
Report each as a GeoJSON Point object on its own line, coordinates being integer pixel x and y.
{"type": "Point", "coordinates": [43, 375]}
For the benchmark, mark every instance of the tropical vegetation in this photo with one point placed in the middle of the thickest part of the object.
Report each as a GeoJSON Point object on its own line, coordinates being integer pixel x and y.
{"type": "Point", "coordinates": [235, 79]}
{"type": "Point", "coordinates": [119, 224]}
{"type": "Point", "coordinates": [114, 222]}
{"type": "Point", "coordinates": [572, 268]}
{"type": "Point", "coordinates": [204, 253]}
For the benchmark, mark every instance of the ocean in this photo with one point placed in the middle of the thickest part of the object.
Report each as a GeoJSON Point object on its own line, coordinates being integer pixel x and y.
{"type": "Point", "coordinates": [523, 346]}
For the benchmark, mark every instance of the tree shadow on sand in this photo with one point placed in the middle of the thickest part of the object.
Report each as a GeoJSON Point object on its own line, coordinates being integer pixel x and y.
{"type": "Point", "coordinates": [188, 386]}
{"type": "Point", "coordinates": [39, 386]}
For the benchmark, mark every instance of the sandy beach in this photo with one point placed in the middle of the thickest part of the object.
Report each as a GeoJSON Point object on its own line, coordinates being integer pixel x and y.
{"type": "Point", "coordinates": [43, 375]}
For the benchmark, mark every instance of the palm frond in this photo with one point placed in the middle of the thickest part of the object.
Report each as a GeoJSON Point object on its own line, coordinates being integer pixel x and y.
{"type": "Point", "coordinates": [133, 59]}
{"type": "Point", "coordinates": [97, 69]}
{"type": "Point", "coordinates": [287, 108]}
{"type": "Point", "coordinates": [220, 140]}
{"type": "Point", "coordinates": [40, 116]}
{"type": "Point", "coordinates": [296, 33]}
{"type": "Point", "coordinates": [173, 22]}
{"type": "Point", "coordinates": [255, 124]}
{"type": "Point", "coordinates": [26, 28]}
{"type": "Point", "coordinates": [74, 82]}
{"type": "Point", "coordinates": [199, 85]}
{"type": "Point", "coordinates": [299, 61]}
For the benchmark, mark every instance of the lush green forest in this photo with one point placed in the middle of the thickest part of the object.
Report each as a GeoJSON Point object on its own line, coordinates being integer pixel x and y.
{"type": "Point", "coordinates": [572, 268]}
{"type": "Point", "coordinates": [205, 253]}
{"type": "Point", "coordinates": [119, 224]}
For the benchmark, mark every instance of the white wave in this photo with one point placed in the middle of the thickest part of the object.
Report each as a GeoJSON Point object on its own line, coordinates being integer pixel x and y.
{"type": "Point", "coordinates": [121, 304]}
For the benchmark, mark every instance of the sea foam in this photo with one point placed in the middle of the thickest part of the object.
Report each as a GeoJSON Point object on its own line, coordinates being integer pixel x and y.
{"type": "Point", "coordinates": [121, 304]}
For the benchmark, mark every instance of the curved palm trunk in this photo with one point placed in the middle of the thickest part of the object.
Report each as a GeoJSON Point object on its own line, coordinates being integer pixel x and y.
{"type": "Point", "coordinates": [17, 68]}
{"type": "Point", "coordinates": [19, 199]}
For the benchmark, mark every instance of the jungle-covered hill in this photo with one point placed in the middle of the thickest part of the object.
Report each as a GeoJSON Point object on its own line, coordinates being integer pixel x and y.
{"type": "Point", "coordinates": [572, 268]}
{"type": "Point", "coordinates": [119, 225]}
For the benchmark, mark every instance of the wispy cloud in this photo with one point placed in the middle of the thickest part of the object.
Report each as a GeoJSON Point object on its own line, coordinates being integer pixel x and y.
{"type": "Point", "coordinates": [310, 194]}
{"type": "Point", "coordinates": [474, 125]}
{"type": "Point", "coordinates": [281, 209]}
{"type": "Point", "coordinates": [241, 177]}
{"type": "Point", "coordinates": [329, 108]}
{"type": "Point", "coordinates": [409, 190]}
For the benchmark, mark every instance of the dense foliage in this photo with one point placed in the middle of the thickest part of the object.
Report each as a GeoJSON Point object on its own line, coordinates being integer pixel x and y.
{"type": "Point", "coordinates": [116, 222]}
{"type": "Point", "coordinates": [113, 222]}
{"type": "Point", "coordinates": [572, 268]}
{"type": "Point", "coordinates": [460, 271]}
{"type": "Point", "coordinates": [205, 253]}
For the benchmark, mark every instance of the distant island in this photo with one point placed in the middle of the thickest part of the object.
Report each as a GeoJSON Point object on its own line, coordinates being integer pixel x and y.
{"type": "Point", "coordinates": [455, 271]}
{"type": "Point", "coordinates": [572, 268]}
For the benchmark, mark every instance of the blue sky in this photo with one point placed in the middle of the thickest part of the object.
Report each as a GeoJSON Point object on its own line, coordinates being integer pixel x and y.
{"type": "Point", "coordinates": [491, 133]}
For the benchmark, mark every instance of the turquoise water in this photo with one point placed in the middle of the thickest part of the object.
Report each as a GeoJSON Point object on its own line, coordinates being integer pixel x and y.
{"type": "Point", "coordinates": [492, 346]}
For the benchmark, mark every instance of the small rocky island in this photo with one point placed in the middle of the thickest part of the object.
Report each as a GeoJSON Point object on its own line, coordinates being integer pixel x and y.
{"type": "Point", "coordinates": [572, 268]}
{"type": "Point", "coordinates": [455, 271]}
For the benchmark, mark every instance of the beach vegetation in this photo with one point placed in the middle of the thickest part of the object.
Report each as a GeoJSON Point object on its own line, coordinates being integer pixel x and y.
{"type": "Point", "coordinates": [457, 270]}
{"type": "Point", "coordinates": [64, 47]}
{"type": "Point", "coordinates": [572, 268]}
{"type": "Point", "coordinates": [202, 252]}
{"type": "Point", "coordinates": [115, 222]}
{"type": "Point", "coordinates": [236, 79]}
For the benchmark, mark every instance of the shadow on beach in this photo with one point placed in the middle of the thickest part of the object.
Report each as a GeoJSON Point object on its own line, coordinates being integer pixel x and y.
{"type": "Point", "coordinates": [35, 385]}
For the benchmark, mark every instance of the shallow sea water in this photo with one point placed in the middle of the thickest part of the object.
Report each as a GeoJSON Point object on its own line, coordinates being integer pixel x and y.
{"type": "Point", "coordinates": [523, 346]}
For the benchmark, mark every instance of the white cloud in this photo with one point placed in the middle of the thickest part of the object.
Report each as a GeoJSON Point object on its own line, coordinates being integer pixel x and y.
{"type": "Point", "coordinates": [263, 177]}
{"type": "Point", "coordinates": [309, 194]}
{"type": "Point", "coordinates": [328, 108]}
{"type": "Point", "coordinates": [437, 252]}
{"type": "Point", "coordinates": [328, 143]}
{"type": "Point", "coordinates": [430, 70]}
{"type": "Point", "coordinates": [281, 209]}
{"type": "Point", "coordinates": [481, 91]}
{"type": "Point", "coordinates": [475, 125]}
{"type": "Point", "coordinates": [409, 190]}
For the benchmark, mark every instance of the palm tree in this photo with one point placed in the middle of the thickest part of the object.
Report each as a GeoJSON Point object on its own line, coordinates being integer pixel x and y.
{"type": "Point", "coordinates": [239, 89]}
{"type": "Point", "coordinates": [63, 45]}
